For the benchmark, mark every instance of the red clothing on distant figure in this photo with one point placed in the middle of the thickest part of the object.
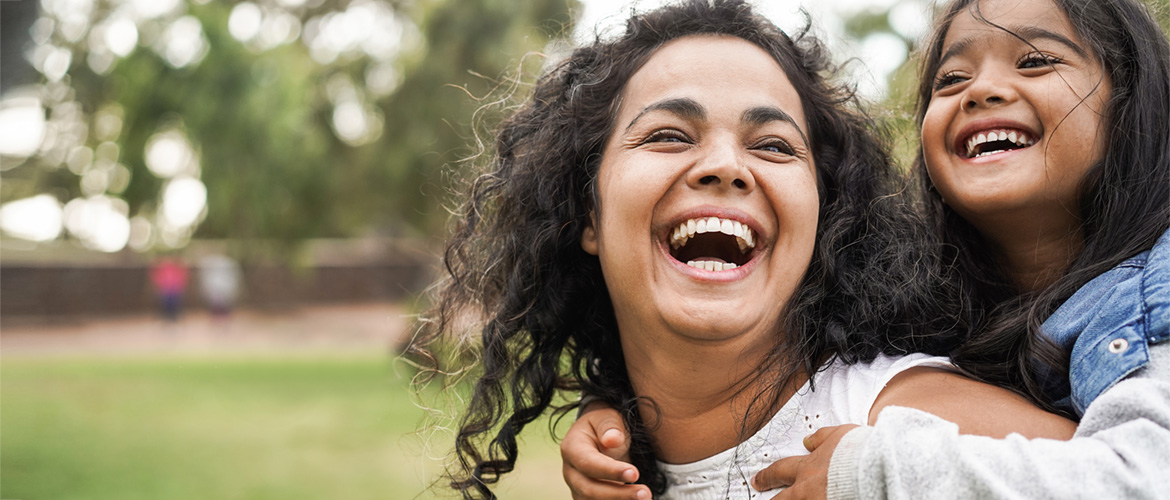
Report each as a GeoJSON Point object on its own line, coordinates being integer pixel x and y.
{"type": "Point", "coordinates": [169, 277]}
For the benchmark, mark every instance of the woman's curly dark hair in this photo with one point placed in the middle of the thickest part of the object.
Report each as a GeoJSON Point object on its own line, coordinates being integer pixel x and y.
{"type": "Point", "coordinates": [539, 302]}
{"type": "Point", "coordinates": [1124, 200]}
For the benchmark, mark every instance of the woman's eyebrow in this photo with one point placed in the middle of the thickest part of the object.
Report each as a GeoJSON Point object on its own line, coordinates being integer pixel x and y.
{"type": "Point", "coordinates": [682, 106]}
{"type": "Point", "coordinates": [760, 115]}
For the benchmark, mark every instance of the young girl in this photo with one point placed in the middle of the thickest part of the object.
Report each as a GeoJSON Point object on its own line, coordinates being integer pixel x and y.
{"type": "Point", "coordinates": [1045, 132]}
{"type": "Point", "coordinates": [682, 221]}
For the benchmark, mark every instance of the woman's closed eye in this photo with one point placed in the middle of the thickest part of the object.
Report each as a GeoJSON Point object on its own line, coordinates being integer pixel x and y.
{"type": "Point", "coordinates": [667, 135]}
{"type": "Point", "coordinates": [775, 145]}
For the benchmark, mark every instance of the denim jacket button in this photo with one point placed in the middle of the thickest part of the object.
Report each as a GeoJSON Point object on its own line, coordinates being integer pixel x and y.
{"type": "Point", "coordinates": [1118, 346]}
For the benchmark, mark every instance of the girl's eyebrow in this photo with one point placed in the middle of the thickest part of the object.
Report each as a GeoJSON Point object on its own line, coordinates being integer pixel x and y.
{"type": "Point", "coordinates": [958, 48]}
{"type": "Point", "coordinates": [1029, 33]}
{"type": "Point", "coordinates": [1025, 33]}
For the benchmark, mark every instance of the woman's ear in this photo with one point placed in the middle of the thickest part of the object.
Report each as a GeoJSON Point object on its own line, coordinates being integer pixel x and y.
{"type": "Point", "coordinates": [589, 236]}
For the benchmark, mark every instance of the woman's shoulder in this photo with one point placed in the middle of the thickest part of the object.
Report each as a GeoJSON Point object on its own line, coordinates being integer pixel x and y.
{"type": "Point", "coordinates": [849, 390]}
{"type": "Point", "coordinates": [881, 369]}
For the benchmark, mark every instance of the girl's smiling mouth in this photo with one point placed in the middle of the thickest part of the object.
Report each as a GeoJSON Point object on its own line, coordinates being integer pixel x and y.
{"type": "Point", "coordinates": [712, 243]}
{"type": "Point", "coordinates": [993, 141]}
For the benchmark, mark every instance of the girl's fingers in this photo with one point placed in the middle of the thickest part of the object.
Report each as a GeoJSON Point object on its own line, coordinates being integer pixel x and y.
{"type": "Point", "coordinates": [608, 425]}
{"type": "Point", "coordinates": [582, 451]}
{"type": "Point", "coordinates": [780, 473]}
{"type": "Point", "coordinates": [584, 488]}
{"type": "Point", "coordinates": [581, 455]}
{"type": "Point", "coordinates": [614, 440]}
{"type": "Point", "coordinates": [814, 440]}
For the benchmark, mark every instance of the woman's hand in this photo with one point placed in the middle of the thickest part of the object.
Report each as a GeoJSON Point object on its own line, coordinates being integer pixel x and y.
{"type": "Point", "coordinates": [807, 476]}
{"type": "Point", "coordinates": [596, 457]}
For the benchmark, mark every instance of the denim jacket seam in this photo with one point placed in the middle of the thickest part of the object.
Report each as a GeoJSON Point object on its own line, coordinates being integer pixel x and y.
{"type": "Point", "coordinates": [1146, 309]}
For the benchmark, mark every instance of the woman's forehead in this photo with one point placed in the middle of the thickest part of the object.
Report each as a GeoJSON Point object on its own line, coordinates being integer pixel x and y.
{"type": "Point", "coordinates": [723, 72]}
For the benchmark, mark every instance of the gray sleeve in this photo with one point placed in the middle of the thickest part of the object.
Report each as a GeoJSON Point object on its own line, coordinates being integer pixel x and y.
{"type": "Point", "coordinates": [1121, 450]}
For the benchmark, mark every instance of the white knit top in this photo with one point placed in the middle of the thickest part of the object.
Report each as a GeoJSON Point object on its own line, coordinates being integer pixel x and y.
{"type": "Point", "coordinates": [844, 395]}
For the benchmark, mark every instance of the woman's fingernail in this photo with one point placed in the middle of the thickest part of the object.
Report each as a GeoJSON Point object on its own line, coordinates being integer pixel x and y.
{"type": "Point", "coordinates": [630, 475]}
{"type": "Point", "coordinates": [643, 495]}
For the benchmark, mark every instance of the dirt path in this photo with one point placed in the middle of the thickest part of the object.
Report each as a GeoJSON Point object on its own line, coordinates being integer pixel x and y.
{"type": "Point", "coordinates": [334, 329]}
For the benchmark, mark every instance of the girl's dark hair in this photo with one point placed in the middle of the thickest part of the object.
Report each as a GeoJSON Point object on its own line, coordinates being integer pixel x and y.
{"type": "Point", "coordinates": [539, 302]}
{"type": "Point", "coordinates": [1124, 199]}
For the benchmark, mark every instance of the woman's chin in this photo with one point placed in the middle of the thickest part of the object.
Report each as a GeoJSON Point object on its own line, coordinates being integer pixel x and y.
{"type": "Point", "coordinates": [717, 324]}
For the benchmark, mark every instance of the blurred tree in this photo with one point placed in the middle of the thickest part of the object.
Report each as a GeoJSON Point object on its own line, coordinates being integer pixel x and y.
{"type": "Point", "coordinates": [477, 51]}
{"type": "Point", "coordinates": [265, 121]}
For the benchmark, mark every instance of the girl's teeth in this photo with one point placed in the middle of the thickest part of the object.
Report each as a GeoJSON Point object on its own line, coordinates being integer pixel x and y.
{"type": "Point", "coordinates": [1016, 137]}
{"type": "Point", "coordinates": [743, 234]}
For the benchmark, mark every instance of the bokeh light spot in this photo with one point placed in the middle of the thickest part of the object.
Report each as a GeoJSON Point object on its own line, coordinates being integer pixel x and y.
{"type": "Point", "coordinates": [37, 218]}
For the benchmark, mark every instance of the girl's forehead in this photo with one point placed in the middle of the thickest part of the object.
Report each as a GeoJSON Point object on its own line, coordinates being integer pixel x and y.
{"type": "Point", "coordinates": [979, 26]}
{"type": "Point", "coordinates": [1012, 18]}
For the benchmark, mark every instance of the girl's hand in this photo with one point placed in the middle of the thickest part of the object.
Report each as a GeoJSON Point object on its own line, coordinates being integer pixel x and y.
{"type": "Point", "coordinates": [806, 477]}
{"type": "Point", "coordinates": [596, 457]}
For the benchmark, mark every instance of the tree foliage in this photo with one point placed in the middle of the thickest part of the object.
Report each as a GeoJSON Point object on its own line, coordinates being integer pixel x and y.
{"type": "Point", "coordinates": [289, 143]}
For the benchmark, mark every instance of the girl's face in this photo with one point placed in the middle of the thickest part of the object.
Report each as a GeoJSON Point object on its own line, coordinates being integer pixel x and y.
{"type": "Point", "coordinates": [707, 196]}
{"type": "Point", "coordinates": [1016, 117]}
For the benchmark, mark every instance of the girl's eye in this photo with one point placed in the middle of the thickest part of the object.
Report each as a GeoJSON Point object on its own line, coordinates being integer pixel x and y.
{"type": "Point", "coordinates": [666, 135]}
{"type": "Point", "coordinates": [1037, 60]}
{"type": "Point", "coordinates": [947, 79]}
{"type": "Point", "coordinates": [775, 145]}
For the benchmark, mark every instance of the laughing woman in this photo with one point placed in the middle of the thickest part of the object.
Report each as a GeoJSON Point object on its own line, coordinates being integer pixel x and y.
{"type": "Point", "coordinates": [691, 224]}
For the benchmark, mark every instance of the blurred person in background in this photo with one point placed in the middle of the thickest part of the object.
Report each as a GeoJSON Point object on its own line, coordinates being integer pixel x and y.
{"type": "Point", "coordinates": [169, 276]}
{"type": "Point", "coordinates": [219, 280]}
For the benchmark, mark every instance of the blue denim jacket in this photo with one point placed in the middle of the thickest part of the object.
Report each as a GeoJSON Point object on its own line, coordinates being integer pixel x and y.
{"type": "Point", "coordinates": [1109, 324]}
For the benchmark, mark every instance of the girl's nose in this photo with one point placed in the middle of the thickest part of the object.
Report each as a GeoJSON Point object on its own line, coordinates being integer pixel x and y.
{"type": "Point", "coordinates": [722, 169]}
{"type": "Point", "coordinates": [987, 91]}
{"type": "Point", "coordinates": [985, 101]}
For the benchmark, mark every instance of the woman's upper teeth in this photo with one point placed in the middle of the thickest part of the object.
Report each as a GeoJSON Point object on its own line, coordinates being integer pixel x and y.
{"type": "Point", "coordinates": [1016, 137]}
{"type": "Point", "coordinates": [744, 236]}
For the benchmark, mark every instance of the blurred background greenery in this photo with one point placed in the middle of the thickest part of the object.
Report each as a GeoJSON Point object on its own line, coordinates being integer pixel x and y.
{"type": "Point", "coordinates": [138, 128]}
{"type": "Point", "coordinates": [280, 428]}
{"type": "Point", "coordinates": [141, 124]}
{"type": "Point", "coordinates": [273, 121]}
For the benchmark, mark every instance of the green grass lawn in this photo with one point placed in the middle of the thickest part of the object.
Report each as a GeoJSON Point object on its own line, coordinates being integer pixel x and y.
{"type": "Point", "coordinates": [190, 428]}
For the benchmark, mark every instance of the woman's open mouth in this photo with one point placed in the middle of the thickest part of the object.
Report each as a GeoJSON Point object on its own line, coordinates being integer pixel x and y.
{"type": "Point", "coordinates": [712, 243]}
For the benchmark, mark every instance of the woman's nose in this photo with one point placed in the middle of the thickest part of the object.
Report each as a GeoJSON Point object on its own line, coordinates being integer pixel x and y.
{"type": "Point", "coordinates": [722, 168]}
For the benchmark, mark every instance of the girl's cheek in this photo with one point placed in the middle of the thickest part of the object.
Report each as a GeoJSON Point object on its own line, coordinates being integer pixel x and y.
{"type": "Point", "coordinates": [935, 123]}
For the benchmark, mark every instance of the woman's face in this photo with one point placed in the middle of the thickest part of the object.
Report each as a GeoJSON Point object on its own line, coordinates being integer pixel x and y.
{"type": "Point", "coordinates": [707, 196]}
{"type": "Point", "coordinates": [1016, 117]}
